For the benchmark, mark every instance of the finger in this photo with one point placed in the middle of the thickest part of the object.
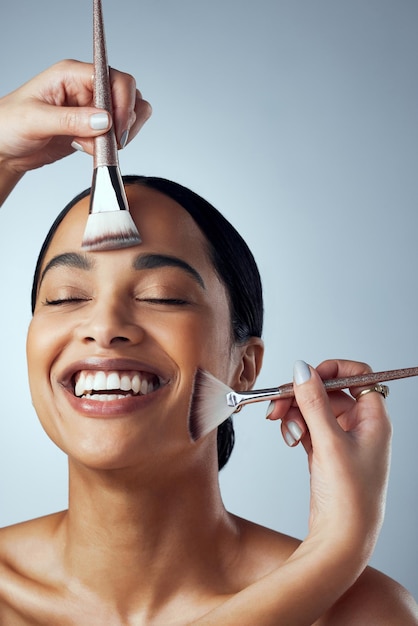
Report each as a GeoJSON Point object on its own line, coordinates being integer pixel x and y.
{"type": "Point", "coordinates": [278, 409]}
{"type": "Point", "coordinates": [293, 430]}
{"type": "Point", "coordinates": [340, 368]}
{"type": "Point", "coordinates": [124, 92]}
{"type": "Point", "coordinates": [314, 403]}
{"type": "Point", "coordinates": [294, 427]}
{"type": "Point", "coordinates": [49, 121]}
{"type": "Point", "coordinates": [141, 114]}
{"type": "Point", "coordinates": [130, 110]}
{"type": "Point", "coordinates": [334, 368]}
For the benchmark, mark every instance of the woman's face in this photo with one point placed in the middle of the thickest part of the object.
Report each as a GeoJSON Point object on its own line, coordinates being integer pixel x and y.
{"type": "Point", "coordinates": [116, 336]}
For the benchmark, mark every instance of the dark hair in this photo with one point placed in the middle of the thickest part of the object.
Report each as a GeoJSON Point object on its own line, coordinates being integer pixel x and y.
{"type": "Point", "coordinates": [232, 260]}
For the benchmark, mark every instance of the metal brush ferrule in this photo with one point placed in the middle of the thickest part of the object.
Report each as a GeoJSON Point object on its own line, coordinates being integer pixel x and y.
{"type": "Point", "coordinates": [238, 399]}
{"type": "Point", "coordinates": [107, 191]}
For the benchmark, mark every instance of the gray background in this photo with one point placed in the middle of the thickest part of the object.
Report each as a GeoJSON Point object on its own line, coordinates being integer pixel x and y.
{"type": "Point", "coordinates": [297, 119]}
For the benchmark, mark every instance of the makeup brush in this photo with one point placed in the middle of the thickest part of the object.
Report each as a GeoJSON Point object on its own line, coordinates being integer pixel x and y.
{"type": "Point", "coordinates": [213, 401]}
{"type": "Point", "coordinates": [109, 225]}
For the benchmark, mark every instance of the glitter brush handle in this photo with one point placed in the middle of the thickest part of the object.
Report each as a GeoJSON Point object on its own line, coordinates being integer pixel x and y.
{"type": "Point", "coordinates": [235, 398]}
{"type": "Point", "coordinates": [105, 146]}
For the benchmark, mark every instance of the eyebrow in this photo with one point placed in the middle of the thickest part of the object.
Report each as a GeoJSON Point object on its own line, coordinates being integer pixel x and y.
{"type": "Point", "coordinates": [141, 262]}
{"type": "Point", "coordinates": [155, 261]}
{"type": "Point", "coordinates": [68, 259]}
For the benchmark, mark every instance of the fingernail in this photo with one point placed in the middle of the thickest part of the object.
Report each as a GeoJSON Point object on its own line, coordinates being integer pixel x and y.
{"type": "Point", "coordinates": [77, 146]}
{"type": "Point", "coordinates": [270, 410]}
{"type": "Point", "coordinates": [99, 121]}
{"type": "Point", "coordinates": [289, 439]}
{"type": "Point", "coordinates": [295, 430]}
{"type": "Point", "coordinates": [124, 139]}
{"type": "Point", "coordinates": [301, 372]}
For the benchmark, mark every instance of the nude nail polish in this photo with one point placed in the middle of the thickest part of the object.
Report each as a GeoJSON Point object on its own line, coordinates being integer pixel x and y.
{"type": "Point", "coordinates": [77, 146]}
{"type": "Point", "coordinates": [124, 139]}
{"type": "Point", "coordinates": [270, 410]}
{"type": "Point", "coordinates": [301, 372]}
{"type": "Point", "coordinates": [99, 121]}
{"type": "Point", "coordinates": [289, 439]}
{"type": "Point", "coordinates": [295, 430]}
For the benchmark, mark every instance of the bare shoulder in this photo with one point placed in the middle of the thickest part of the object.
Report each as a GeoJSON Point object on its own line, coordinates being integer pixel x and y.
{"type": "Point", "coordinates": [262, 550]}
{"type": "Point", "coordinates": [373, 599]}
{"type": "Point", "coordinates": [26, 557]}
{"type": "Point", "coordinates": [19, 541]}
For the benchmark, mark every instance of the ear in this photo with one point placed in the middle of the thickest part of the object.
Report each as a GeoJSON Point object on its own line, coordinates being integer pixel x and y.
{"type": "Point", "coordinates": [249, 360]}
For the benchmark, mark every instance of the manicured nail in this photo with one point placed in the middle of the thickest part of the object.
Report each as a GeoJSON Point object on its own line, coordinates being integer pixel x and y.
{"type": "Point", "coordinates": [289, 439]}
{"type": "Point", "coordinates": [124, 139]}
{"type": "Point", "coordinates": [99, 121]}
{"type": "Point", "coordinates": [301, 372]}
{"type": "Point", "coordinates": [295, 430]}
{"type": "Point", "coordinates": [270, 410]}
{"type": "Point", "coordinates": [77, 146]}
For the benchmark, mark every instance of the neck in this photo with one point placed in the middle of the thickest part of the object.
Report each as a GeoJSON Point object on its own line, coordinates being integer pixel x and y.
{"type": "Point", "coordinates": [124, 533]}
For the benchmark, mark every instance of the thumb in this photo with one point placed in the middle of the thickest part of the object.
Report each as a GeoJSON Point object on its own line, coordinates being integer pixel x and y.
{"type": "Point", "coordinates": [313, 402]}
{"type": "Point", "coordinates": [71, 121]}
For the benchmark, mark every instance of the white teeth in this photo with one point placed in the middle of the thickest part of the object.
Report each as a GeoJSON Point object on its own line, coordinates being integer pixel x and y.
{"type": "Point", "coordinates": [113, 381]}
{"type": "Point", "coordinates": [80, 384]}
{"type": "Point", "coordinates": [103, 397]}
{"type": "Point", "coordinates": [100, 381]}
{"type": "Point", "coordinates": [88, 381]}
{"type": "Point", "coordinates": [136, 383]}
{"type": "Point", "coordinates": [125, 383]}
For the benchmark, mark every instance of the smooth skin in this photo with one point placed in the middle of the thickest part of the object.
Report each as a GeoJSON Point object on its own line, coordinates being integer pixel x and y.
{"type": "Point", "coordinates": [146, 538]}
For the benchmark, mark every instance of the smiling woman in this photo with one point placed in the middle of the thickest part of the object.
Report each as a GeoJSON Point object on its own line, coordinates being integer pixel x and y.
{"type": "Point", "coordinates": [228, 252]}
{"type": "Point", "coordinates": [113, 347]}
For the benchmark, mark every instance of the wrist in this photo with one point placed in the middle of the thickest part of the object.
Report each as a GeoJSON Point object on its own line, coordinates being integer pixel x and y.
{"type": "Point", "coordinates": [346, 549]}
{"type": "Point", "coordinates": [9, 178]}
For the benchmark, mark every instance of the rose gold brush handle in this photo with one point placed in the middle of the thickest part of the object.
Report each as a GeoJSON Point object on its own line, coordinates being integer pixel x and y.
{"type": "Point", "coordinates": [236, 398]}
{"type": "Point", "coordinates": [105, 147]}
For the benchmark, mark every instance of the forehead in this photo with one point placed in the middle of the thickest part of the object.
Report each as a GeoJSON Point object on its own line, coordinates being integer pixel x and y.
{"type": "Point", "coordinates": [163, 224]}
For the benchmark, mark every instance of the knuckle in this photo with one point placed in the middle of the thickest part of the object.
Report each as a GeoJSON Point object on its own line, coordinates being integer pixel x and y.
{"type": "Point", "coordinates": [365, 367]}
{"type": "Point", "coordinates": [131, 82]}
{"type": "Point", "coordinates": [312, 402]}
{"type": "Point", "coordinates": [69, 123]}
{"type": "Point", "coordinates": [64, 65]}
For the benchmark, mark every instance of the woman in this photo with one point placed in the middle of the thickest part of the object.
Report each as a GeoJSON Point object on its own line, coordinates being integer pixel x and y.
{"type": "Point", "coordinates": [146, 538]}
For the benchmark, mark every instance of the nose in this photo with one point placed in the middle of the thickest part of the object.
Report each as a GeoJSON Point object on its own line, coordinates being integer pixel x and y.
{"type": "Point", "coordinates": [110, 324]}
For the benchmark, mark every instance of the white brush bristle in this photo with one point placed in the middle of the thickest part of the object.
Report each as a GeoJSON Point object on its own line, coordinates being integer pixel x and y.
{"type": "Point", "coordinates": [110, 230]}
{"type": "Point", "coordinates": [208, 407]}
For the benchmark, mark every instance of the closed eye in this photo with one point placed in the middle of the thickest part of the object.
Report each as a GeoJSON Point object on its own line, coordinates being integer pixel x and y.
{"type": "Point", "coordinates": [61, 301]}
{"type": "Point", "coordinates": [168, 301]}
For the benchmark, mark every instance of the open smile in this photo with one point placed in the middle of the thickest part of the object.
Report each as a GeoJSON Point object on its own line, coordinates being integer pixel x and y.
{"type": "Point", "coordinates": [100, 386]}
{"type": "Point", "coordinates": [108, 386]}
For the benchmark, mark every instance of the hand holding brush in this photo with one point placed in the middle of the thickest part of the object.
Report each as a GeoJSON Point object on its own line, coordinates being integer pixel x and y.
{"type": "Point", "coordinates": [49, 116]}
{"type": "Point", "coordinates": [348, 450]}
{"type": "Point", "coordinates": [213, 401]}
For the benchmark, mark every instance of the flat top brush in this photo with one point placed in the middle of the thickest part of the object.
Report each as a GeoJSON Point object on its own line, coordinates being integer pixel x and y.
{"type": "Point", "coordinates": [213, 401]}
{"type": "Point", "coordinates": [109, 225]}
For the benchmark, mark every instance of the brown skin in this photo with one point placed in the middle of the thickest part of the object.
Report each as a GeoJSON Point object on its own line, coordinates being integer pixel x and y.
{"type": "Point", "coordinates": [146, 538]}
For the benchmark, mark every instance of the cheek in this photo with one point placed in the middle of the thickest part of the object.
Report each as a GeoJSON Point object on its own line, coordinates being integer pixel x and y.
{"type": "Point", "coordinates": [199, 341]}
{"type": "Point", "coordinates": [42, 345]}
{"type": "Point", "coordinates": [35, 359]}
